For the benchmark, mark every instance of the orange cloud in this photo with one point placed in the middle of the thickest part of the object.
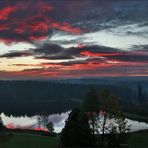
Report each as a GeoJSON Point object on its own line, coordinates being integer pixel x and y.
{"type": "Point", "coordinates": [87, 53]}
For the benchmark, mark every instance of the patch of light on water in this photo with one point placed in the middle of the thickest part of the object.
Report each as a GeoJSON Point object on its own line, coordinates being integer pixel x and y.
{"type": "Point", "coordinates": [136, 125]}
{"type": "Point", "coordinates": [25, 122]}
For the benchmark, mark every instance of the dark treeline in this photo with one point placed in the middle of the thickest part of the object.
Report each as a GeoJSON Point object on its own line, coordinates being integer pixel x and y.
{"type": "Point", "coordinates": [45, 97]}
{"type": "Point", "coordinates": [98, 122]}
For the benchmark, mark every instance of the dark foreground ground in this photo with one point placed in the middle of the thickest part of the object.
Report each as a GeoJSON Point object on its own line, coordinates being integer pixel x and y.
{"type": "Point", "coordinates": [138, 139]}
{"type": "Point", "coordinates": [20, 139]}
{"type": "Point", "coordinates": [27, 139]}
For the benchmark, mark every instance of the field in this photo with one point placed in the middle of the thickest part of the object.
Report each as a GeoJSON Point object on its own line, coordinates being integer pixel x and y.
{"type": "Point", "coordinates": [138, 140]}
{"type": "Point", "coordinates": [24, 140]}
{"type": "Point", "coordinates": [18, 140]}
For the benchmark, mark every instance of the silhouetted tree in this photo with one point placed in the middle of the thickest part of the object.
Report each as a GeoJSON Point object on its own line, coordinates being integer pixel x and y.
{"type": "Point", "coordinates": [104, 116]}
{"type": "Point", "coordinates": [50, 126]}
{"type": "Point", "coordinates": [121, 123]}
{"type": "Point", "coordinates": [77, 132]}
{"type": "Point", "coordinates": [91, 107]}
{"type": "Point", "coordinates": [109, 107]}
{"type": "Point", "coordinates": [1, 123]}
{"type": "Point", "coordinates": [117, 130]}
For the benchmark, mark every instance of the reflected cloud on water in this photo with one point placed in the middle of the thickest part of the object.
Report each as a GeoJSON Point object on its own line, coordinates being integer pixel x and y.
{"type": "Point", "coordinates": [38, 122]}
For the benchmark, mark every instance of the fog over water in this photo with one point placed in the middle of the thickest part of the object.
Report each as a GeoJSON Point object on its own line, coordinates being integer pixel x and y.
{"type": "Point", "coordinates": [38, 122]}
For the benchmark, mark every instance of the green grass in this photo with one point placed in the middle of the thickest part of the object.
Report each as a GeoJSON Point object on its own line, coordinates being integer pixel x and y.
{"type": "Point", "coordinates": [27, 141]}
{"type": "Point", "coordinates": [138, 140]}
{"type": "Point", "coordinates": [23, 140]}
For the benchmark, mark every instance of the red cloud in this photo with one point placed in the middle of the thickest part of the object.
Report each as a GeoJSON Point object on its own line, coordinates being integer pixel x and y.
{"type": "Point", "coordinates": [78, 70]}
{"type": "Point", "coordinates": [87, 53]}
{"type": "Point", "coordinates": [66, 27]}
{"type": "Point", "coordinates": [27, 21]}
{"type": "Point", "coordinates": [5, 12]}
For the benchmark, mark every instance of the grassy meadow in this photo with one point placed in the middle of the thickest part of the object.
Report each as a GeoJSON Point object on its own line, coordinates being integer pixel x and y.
{"type": "Point", "coordinates": [18, 140]}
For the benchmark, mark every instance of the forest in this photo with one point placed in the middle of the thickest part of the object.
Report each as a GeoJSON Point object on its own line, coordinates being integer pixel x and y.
{"type": "Point", "coordinates": [42, 97]}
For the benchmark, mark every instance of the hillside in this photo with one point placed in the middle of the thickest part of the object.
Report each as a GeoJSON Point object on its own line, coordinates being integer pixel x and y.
{"type": "Point", "coordinates": [32, 97]}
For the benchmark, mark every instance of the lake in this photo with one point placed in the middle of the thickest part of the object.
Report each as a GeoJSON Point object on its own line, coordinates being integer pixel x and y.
{"type": "Point", "coordinates": [39, 122]}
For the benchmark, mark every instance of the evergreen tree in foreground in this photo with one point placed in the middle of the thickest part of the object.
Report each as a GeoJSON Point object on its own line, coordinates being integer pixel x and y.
{"type": "Point", "coordinates": [1, 123]}
{"type": "Point", "coordinates": [77, 132]}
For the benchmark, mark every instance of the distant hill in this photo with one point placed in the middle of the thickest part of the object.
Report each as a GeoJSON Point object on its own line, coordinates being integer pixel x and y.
{"type": "Point", "coordinates": [35, 97]}
{"type": "Point", "coordinates": [127, 81]}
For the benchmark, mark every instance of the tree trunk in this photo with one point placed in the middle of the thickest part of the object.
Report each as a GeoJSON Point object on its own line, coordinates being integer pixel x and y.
{"type": "Point", "coordinates": [93, 125]}
{"type": "Point", "coordinates": [103, 130]}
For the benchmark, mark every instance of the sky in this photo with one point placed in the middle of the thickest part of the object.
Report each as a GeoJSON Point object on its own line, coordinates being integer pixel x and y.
{"type": "Point", "coordinates": [42, 39]}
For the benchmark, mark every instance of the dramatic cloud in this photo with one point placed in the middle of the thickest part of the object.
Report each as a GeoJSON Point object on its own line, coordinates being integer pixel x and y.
{"type": "Point", "coordinates": [27, 21]}
{"type": "Point", "coordinates": [5, 12]}
{"type": "Point", "coordinates": [52, 38]}
{"type": "Point", "coordinates": [15, 54]}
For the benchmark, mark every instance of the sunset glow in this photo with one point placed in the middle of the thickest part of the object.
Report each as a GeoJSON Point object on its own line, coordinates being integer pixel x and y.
{"type": "Point", "coordinates": [67, 39]}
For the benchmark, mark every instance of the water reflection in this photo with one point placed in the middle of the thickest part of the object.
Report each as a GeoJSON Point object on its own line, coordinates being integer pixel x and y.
{"type": "Point", "coordinates": [35, 122]}
{"type": "Point", "coordinates": [136, 125]}
{"type": "Point", "coordinates": [39, 122]}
